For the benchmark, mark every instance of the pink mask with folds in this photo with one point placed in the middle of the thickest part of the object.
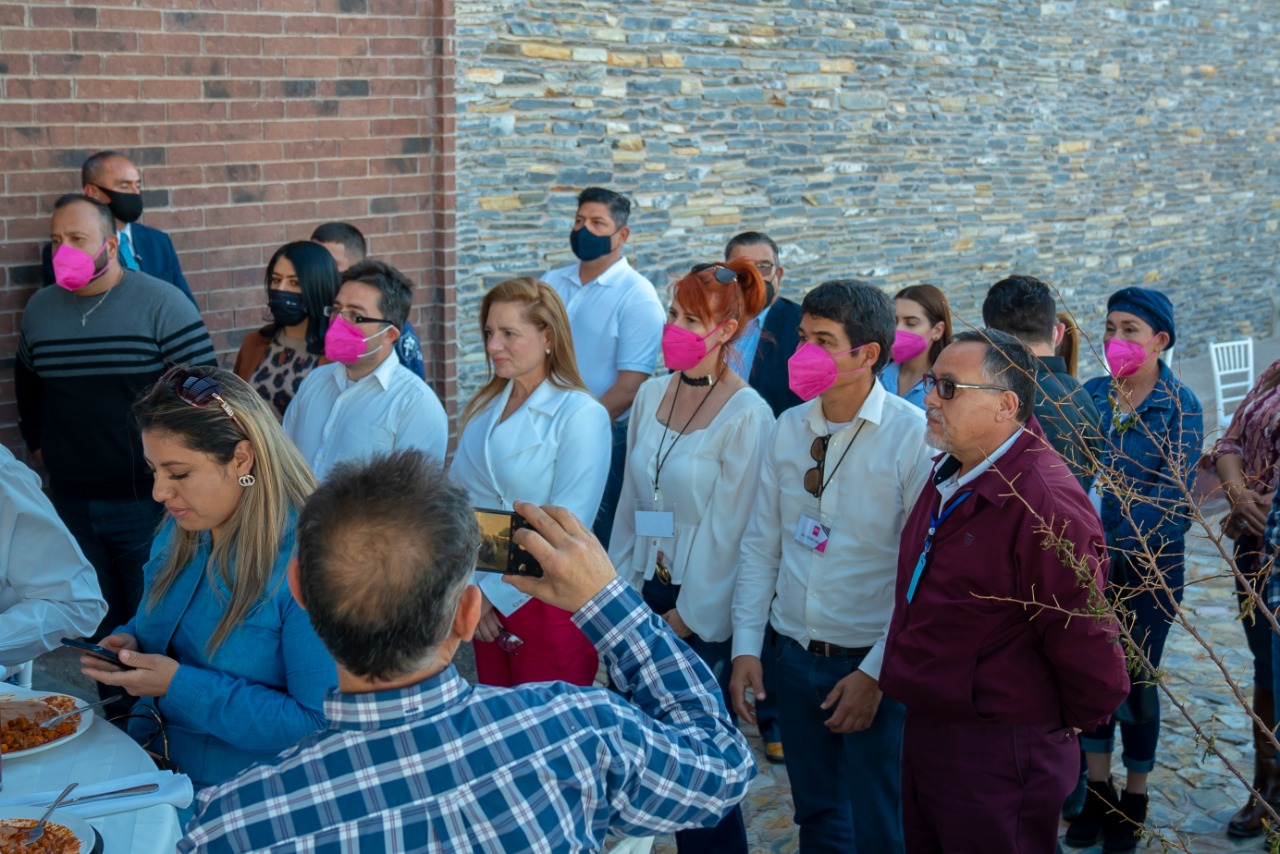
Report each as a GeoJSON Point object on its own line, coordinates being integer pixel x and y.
{"type": "Point", "coordinates": [682, 349]}
{"type": "Point", "coordinates": [345, 343]}
{"type": "Point", "coordinates": [74, 268]}
{"type": "Point", "coordinates": [907, 345]}
{"type": "Point", "coordinates": [1124, 358]}
{"type": "Point", "coordinates": [812, 370]}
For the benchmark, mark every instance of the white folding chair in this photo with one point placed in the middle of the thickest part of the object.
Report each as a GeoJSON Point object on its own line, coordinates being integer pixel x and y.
{"type": "Point", "coordinates": [1232, 375]}
{"type": "Point", "coordinates": [22, 675]}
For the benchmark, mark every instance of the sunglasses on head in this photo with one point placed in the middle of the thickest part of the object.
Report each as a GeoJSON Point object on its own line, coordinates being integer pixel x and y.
{"type": "Point", "coordinates": [198, 391]}
{"type": "Point", "coordinates": [723, 274]}
{"type": "Point", "coordinates": [947, 388]}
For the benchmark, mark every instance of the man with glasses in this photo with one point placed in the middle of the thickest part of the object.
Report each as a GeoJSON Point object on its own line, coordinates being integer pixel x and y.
{"type": "Point", "coordinates": [366, 402]}
{"type": "Point", "coordinates": [770, 338]}
{"type": "Point", "coordinates": [818, 562]}
{"type": "Point", "coordinates": [996, 690]}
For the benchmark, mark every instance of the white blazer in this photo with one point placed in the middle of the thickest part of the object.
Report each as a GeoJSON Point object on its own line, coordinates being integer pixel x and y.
{"type": "Point", "coordinates": [554, 449]}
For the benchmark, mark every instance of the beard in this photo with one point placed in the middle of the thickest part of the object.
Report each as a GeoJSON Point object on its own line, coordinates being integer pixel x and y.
{"type": "Point", "coordinates": [935, 433]}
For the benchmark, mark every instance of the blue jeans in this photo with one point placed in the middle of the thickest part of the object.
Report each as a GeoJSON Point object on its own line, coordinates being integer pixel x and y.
{"type": "Point", "coordinates": [1139, 715]}
{"type": "Point", "coordinates": [603, 525]}
{"type": "Point", "coordinates": [730, 835]}
{"type": "Point", "coordinates": [847, 788]}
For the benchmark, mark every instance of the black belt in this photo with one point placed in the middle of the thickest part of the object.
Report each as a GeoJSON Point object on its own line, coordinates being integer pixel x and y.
{"type": "Point", "coordinates": [830, 650]}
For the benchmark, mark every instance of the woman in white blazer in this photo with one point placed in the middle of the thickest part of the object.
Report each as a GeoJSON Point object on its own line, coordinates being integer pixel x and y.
{"type": "Point", "coordinates": [532, 433]}
{"type": "Point", "coordinates": [694, 448]}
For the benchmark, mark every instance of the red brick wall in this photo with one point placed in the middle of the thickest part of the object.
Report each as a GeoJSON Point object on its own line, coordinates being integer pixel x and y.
{"type": "Point", "coordinates": [251, 125]}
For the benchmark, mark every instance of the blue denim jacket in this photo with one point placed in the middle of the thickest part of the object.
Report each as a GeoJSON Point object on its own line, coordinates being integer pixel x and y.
{"type": "Point", "coordinates": [259, 693]}
{"type": "Point", "coordinates": [1154, 452]}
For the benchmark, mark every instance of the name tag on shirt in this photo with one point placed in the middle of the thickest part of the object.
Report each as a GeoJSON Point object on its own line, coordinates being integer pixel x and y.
{"type": "Point", "coordinates": [812, 532]}
{"type": "Point", "coordinates": [660, 524]}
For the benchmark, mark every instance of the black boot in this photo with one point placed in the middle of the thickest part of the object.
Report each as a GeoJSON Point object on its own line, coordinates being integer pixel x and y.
{"type": "Point", "coordinates": [1266, 776]}
{"type": "Point", "coordinates": [1099, 802]}
{"type": "Point", "coordinates": [1124, 828]}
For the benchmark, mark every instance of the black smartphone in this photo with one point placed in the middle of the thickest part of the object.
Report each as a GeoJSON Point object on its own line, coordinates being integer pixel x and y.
{"type": "Point", "coordinates": [96, 651]}
{"type": "Point", "coordinates": [498, 551]}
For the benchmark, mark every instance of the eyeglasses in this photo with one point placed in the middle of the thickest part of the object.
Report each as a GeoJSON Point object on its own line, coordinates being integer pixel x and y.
{"type": "Point", "coordinates": [947, 388]}
{"type": "Point", "coordinates": [813, 477]}
{"type": "Point", "coordinates": [766, 268]}
{"type": "Point", "coordinates": [723, 274]}
{"type": "Point", "coordinates": [349, 314]}
{"type": "Point", "coordinates": [198, 391]}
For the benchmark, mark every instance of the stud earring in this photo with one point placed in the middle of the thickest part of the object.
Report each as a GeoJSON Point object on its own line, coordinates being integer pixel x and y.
{"type": "Point", "coordinates": [246, 480]}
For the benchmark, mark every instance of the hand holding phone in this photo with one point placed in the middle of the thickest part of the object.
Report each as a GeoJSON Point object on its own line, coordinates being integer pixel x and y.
{"type": "Point", "coordinates": [96, 651]}
{"type": "Point", "coordinates": [498, 550]}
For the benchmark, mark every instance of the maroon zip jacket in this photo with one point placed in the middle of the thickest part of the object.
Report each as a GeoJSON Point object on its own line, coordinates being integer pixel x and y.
{"type": "Point", "coordinates": [956, 656]}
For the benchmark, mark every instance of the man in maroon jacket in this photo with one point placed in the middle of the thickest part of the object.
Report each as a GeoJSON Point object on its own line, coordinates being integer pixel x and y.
{"type": "Point", "coordinates": [996, 690]}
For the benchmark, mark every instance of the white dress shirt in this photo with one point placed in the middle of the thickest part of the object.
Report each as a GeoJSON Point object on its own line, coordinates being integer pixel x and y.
{"type": "Point", "coordinates": [708, 481]}
{"type": "Point", "coordinates": [616, 322]}
{"type": "Point", "coordinates": [554, 449]}
{"type": "Point", "coordinates": [332, 419]}
{"type": "Point", "coordinates": [844, 596]}
{"type": "Point", "coordinates": [48, 590]}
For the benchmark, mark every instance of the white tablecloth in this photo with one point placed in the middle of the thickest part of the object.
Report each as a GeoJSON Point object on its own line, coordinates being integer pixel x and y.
{"type": "Point", "coordinates": [101, 753]}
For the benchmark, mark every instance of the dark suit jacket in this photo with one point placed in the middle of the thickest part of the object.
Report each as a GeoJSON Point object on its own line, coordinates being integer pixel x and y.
{"type": "Point", "coordinates": [154, 252]}
{"type": "Point", "coordinates": [778, 342]}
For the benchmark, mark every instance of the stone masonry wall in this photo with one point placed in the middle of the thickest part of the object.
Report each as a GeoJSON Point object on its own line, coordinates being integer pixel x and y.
{"type": "Point", "coordinates": [1096, 144]}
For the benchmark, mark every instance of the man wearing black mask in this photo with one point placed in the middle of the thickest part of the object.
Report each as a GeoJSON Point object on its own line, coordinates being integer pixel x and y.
{"type": "Point", "coordinates": [111, 178]}
{"type": "Point", "coordinates": [616, 319]}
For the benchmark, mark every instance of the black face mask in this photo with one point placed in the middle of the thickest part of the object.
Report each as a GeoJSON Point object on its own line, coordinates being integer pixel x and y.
{"type": "Point", "coordinates": [286, 307]}
{"type": "Point", "coordinates": [126, 207]}
{"type": "Point", "coordinates": [588, 245]}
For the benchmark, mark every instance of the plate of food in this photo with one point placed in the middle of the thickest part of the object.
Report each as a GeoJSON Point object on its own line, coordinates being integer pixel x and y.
{"type": "Point", "coordinates": [22, 712]}
{"type": "Point", "coordinates": [63, 833]}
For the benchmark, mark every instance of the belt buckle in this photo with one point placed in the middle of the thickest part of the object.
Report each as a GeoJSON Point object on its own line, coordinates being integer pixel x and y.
{"type": "Point", "coordinates": [661, 572]}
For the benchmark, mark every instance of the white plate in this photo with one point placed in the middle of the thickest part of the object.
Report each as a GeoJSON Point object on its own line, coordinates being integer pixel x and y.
{"type": "Point", "coordinates": [86, 719]}
{"type": "Point", "coordinates": [78, 826]}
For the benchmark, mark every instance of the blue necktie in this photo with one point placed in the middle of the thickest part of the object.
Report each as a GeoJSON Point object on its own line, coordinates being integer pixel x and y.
{"type": "Point", "coordinates": [126, 252]}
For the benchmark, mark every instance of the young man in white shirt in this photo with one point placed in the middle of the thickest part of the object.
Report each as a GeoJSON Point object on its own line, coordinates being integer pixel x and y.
{"type": "Point", "coordinates": [366, 402]}
{"type": "Point", "coordinates": [616, 319]}
{"type": "Point", "coordinates": [819, 562]}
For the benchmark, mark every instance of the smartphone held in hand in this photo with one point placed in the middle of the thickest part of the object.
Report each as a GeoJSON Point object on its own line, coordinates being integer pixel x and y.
{"type": "Point", "coordinates": [498, 550]}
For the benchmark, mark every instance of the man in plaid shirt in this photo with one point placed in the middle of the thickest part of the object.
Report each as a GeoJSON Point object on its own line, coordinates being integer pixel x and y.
{"type": "Point", "coordinates": [415, 758]}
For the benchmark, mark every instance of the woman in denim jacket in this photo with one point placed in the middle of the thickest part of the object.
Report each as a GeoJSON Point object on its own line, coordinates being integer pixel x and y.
{"type": "Point", "coordinates": [1153, 431]}
{"type": "Point", "coordinates": [218, 647]}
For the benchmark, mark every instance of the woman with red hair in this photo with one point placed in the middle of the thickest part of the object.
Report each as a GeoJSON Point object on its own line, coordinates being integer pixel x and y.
{"type": "Point", "coordinates": [694, 449]}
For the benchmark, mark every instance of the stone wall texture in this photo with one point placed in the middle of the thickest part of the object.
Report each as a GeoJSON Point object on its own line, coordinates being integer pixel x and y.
{"type": "Point", "coordinates": [1097, 144]}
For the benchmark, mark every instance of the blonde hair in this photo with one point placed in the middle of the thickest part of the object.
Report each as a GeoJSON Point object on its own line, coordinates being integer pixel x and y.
{"type": "Point", "coordinates": [542, 308]}
{"type": "Point", "coordinates": [246, 555]}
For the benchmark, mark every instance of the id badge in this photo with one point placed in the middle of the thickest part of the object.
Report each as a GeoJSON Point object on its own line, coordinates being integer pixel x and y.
{"type": "Point", "coordinates": [656, 519]}
{"type": "Point", "coordinates": [813, 531]}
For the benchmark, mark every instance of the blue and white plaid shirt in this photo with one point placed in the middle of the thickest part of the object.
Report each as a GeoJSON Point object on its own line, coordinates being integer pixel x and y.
{"type": "Point", "coordinates": [551, 767]}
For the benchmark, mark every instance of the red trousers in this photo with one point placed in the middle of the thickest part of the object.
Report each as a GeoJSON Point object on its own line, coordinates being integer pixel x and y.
{"type": "Point", "coordinates": [553, 649]}
{"type": "Point", "coordinates": [977, 788]}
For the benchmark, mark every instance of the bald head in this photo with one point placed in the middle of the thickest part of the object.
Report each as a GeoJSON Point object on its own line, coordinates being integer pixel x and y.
{"type": "Point", "coordinates": [385, 550]}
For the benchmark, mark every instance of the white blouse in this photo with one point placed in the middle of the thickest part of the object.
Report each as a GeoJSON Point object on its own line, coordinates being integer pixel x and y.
{"type": "Point", "coordinates": [554, 449]}
{"type": "Point", "coordinates": [709, 480]}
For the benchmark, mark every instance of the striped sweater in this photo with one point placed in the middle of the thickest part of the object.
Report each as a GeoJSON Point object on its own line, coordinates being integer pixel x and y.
{"type": "Point", "coordinates": [82, 361]}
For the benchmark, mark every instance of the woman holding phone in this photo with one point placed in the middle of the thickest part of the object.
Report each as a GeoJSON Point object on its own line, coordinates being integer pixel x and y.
{"type": "Point", "coordinates": [532, 433]}
{"type": "Point", "coordinates": [694, 449]}
{"type": "Point", "coordinates": [219, 649]}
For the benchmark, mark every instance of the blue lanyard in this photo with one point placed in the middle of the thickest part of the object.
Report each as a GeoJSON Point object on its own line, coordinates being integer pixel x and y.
{"type": "Point", "coordinates": [935, 519]}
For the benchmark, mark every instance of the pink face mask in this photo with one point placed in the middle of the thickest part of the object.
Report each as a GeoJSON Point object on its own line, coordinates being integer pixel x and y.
{"type": "Point", "coordinates": [345, 343]}
{"type": "Point", "coordinates": [812, 370]}
{"type": "Point", "coordinates": [74, 268]}
{"type": "Point", "coordinates": [682, 349]}
{"type": "Point", "coordinates": [1124, 358]}
{"type": "Point", "coordinates": [907, 345]}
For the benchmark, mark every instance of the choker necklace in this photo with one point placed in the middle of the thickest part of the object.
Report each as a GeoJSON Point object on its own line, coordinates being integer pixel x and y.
{"type": "Point", "coordinates": [697, 382]}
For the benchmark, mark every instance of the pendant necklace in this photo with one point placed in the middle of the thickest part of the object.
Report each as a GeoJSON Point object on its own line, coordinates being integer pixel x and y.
{"type": "Point", "coordinates": [84, 315]}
